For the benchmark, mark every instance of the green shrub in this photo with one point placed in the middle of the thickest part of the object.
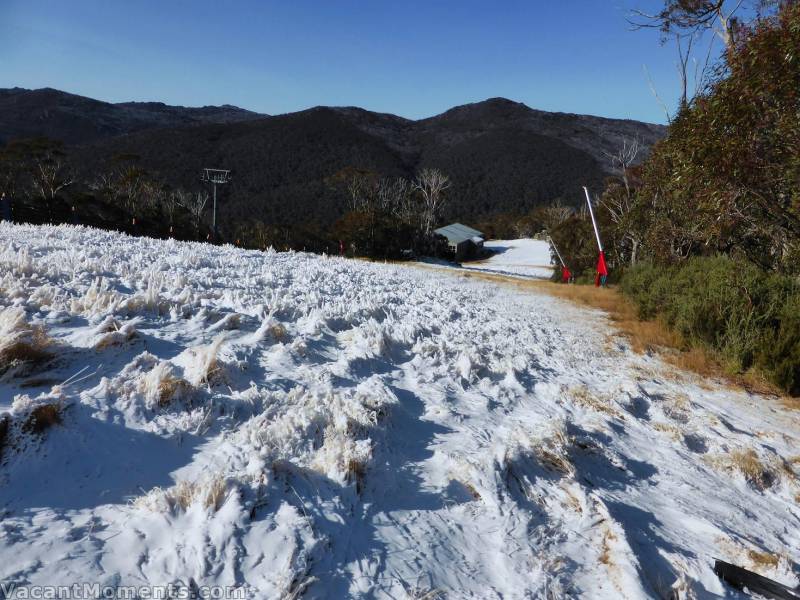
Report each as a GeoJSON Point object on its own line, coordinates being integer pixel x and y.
{"type": "Point", "coordinates": [748, 317]}
{"type": "Point", "coordinates": [644, 285]}
{"type": "Point", "coordinates": [782, 357]}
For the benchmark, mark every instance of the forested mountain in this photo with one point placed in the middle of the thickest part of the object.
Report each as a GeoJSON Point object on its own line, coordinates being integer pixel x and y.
{"type": "Point", "coordinates": [291, 170]}
{"type": "Point", "coordinates": [501, 156]}
{"type": "Point", "coordinates": [76, 120]}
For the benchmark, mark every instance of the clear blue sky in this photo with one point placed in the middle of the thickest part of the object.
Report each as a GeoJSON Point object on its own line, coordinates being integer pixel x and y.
{"type": "Point", "coordinates": [415, 58]}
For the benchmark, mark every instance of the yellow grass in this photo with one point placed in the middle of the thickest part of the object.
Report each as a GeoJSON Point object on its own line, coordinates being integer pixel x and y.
{"type": "Point", "coordinates": [748, 463]}
{"type": "Point", "coordinates": [43, 418]}
{"type": "Point", "coordinates": [764, 560]}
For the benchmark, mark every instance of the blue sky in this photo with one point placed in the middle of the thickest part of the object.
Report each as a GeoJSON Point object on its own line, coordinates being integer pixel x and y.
{"type": "Point", "coordinates": [414, 58]}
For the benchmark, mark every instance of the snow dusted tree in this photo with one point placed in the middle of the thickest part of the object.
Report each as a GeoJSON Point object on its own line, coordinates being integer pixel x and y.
{"type": "Point", "coordinates": [624, 158]}
{"type": "Point", "coordinates": [195, 206]}
{"type": "Point", "coordinates": [431, 184]}
{"type": "Point", "coordinates": [49, 174]}
{"type": "Point", "coordinates": [170, 204]}
{"type": "Point", "coordinates": [553, 216]}
{"type": "Point", "coordinates": [395, 198]}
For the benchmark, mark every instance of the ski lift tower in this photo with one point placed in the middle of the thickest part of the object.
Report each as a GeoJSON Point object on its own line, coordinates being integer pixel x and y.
{"type": "Point", "coordinates": [215, 177]}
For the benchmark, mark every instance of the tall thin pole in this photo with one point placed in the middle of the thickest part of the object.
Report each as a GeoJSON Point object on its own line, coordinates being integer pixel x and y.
{"type": "Point", "coordinates": [558, 254]}
{"type": "Point", "coordinates": [214, 217]}
{"type": "Point", "coordinates": [594, 223]}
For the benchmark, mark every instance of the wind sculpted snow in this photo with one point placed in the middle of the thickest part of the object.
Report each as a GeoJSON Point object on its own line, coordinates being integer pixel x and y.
{"type": "Point", "coordinates": [303, 426]}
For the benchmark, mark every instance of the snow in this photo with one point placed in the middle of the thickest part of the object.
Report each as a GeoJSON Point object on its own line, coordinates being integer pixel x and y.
{"type": "Point", "coordinates": [295, 425]}
{"type": "Point", "coordinates": [523, 257]}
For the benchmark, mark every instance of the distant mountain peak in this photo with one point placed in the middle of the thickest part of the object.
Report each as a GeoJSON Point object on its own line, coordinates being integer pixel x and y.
{"type": "Point", "coordinates": [77, 119]}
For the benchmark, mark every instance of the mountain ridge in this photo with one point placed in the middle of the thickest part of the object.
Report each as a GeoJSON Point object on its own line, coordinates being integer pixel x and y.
{"type": "Point", "coordinates": [501, 155]}
{"type": "Point", "coordinates": [76, 119]}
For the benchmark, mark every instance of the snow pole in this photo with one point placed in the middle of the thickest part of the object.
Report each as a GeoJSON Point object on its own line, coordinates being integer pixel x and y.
{"type": "Point", "coordinates": [565, 272]}
{"type": "Point", "coordinates": [594, 223]}
{"type": "Point", "coordinates": [602, 268]}
{"type": "Point", "coordinates": [558, 254]}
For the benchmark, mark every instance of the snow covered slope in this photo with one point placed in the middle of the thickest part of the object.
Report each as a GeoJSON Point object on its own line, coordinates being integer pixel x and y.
{"type": "Point", "coordinates": [524, 257]}
{"type": "Point", "coordinates": [295, 425]}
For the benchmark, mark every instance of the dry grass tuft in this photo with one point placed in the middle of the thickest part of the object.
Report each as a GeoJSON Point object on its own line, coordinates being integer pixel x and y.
{"type": "Point", "coordinates": [748, 463]}
{"type": "Point", "coordinates": [111, 333]}
{"type": "Point", "coordinates": [605, 548]}
{"type": "Point", "coordinates": [182, 495]}
{"type": "Point", "coordinates": [211, 493]}
{"type": "Point", "coordinates": [763, 560]}
{"type": "Point", "coordinates": [644, 336]}
{"type": "Point", "coordinates": [161, 386]}
{"type": "Point", "coordinates": [20, 342]}
{"type": "Point", "coordinates": [673, 431]}
{"type": "Point", "coordinates": [582, 396]}
{"type": "Point", "coordinates": [216, 493]}
{"type": "Point", "coordinates": [205, 367]}
{"type": "Point", "coordinates": [42, 418]}
{"type": "Point", "coordinates": [552, 453]}
{"type": "Point", "coordinates": [476, 495]}
{"type": "Point", "coordinates": [278, 332]}
{"type": "Point", "coordinates": [356, 472]}
{"type": "Point", "coordinates": [171, 388]}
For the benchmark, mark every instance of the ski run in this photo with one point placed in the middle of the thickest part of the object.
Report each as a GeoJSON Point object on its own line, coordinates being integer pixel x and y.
{"type": "Point", "coordinates": [301, 426]}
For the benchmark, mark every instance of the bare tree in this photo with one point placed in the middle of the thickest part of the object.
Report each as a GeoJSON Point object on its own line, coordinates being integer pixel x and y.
{"type": "Point", "coordinates": [620, 201]}
{"type": "Point", "coordinates": [195, 206]}
{"type": "Point", "coordinates": [356, 188]}
{"type": "Point", "coordinates": [170, 204]}
{"type": "Point", "coordinates": [554, 215]}
{"type": "Point", "coordinates": [624, 158]}
{"type": "Point", "coordinates": [50, 176]}
{"type": "Point", "coordinates": [395, 198]}
{"type": "Point", "coordinates": [431, 184]}
{"type": "Point", "coordinates": [126, 187]}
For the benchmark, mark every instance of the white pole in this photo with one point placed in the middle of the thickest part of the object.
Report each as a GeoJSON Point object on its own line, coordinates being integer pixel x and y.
{"type": "Point", "coordinates": [558, 254]}
{"type": "Point", "coordinates": [214, 218]}
{"type": "Point", "coordinates": [594, 223]}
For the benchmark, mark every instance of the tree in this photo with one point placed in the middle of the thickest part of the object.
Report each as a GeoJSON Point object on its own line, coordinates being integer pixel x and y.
{"type": "Point", "coordinates": [725, 178]}
{"type": "Point", "coordinates": [195, 206]}
{"type": "Point", "coordinates": [687, 18]}
{"type": "Point", "coordinates": [128, 186]}
{"type": "Point", "coordinates": [431, 184]}
{"type": "Point", "coordinates": [170, 204]}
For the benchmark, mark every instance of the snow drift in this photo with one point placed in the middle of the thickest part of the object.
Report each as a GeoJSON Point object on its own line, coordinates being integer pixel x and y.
{"type": "Point", "coordinates": [293, 425]}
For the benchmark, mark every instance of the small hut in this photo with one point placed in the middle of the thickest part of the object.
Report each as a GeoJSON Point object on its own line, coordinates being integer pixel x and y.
{"type": "Point", "coordinates": [464, 242]}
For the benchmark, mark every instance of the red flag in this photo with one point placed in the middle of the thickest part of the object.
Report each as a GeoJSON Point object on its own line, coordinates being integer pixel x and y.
{"type": "Point", "coordinates": [565, 274]}
{"type": "Point", "coordinates": [602, 269]}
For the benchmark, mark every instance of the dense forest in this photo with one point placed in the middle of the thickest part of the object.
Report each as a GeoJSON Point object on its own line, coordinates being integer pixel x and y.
{"type": "Point", "coordinates": [705, 234]}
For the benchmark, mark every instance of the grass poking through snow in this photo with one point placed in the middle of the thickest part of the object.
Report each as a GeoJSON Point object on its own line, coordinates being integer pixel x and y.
{"type": "Point", "coordinates": [21, 344]}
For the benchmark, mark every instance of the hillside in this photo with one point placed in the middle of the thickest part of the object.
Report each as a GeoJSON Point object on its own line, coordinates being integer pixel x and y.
{"type": "Point", "coordinates": [294, 425]}
{"type": "Point", "coordinates": [501, 155]}
{"type": "Point", "coordinates": [76, 119]}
